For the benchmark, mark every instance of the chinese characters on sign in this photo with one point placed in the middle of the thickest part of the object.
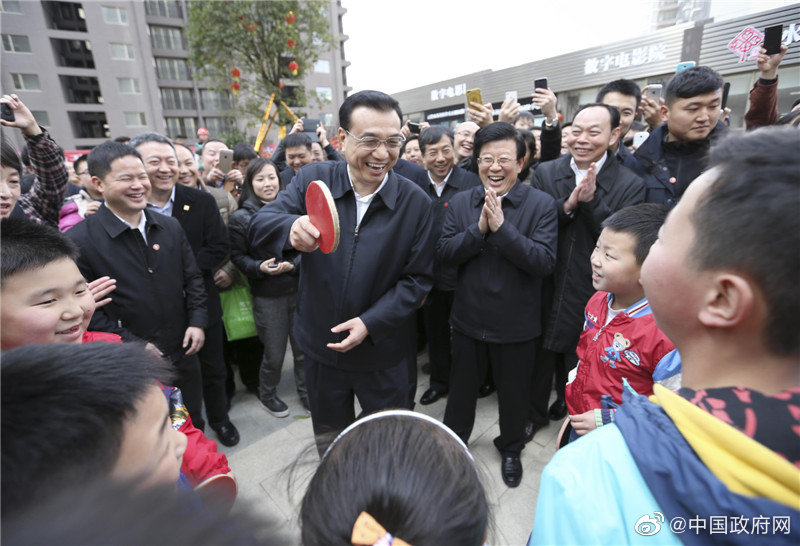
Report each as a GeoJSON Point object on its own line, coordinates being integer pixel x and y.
{"type": "Point", "coordinates": [639, 55]}
{"type": "Point", "coordinates": [746, 42]}
{"type": "Point", "coordinates": [715, 525]}
{"type": "Point", "coordinates": [449, 92]}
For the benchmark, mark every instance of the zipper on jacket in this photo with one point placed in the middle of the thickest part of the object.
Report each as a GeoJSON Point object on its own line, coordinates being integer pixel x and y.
{"type": "Point", "coordinates": [347, 277]}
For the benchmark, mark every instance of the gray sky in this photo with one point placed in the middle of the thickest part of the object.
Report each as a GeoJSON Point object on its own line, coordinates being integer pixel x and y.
{"type": "Point", "coordinates": [401, 44]}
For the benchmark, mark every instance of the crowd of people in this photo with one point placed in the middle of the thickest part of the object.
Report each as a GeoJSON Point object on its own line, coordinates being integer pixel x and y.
{"type": "Point", "coordinates": [653, 289]}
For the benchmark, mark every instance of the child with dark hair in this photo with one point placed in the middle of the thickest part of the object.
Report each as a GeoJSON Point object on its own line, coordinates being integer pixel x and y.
{"type": "Point", "coordinates": [395, 477]}
{"type": "Point", "coordinates": [73, 413]}
{"type": "Point", "coordinates": [273, 283]}
{"type": "Point", "coordinates": [620, 343]}
{"type": "Point", "coordinates": [45, 299]}
{"type": "Point", "coordinates": [722, 455]}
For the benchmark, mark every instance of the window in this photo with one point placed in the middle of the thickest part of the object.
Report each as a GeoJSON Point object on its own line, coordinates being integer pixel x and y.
{"type": "Point", "coordinates": [162, 8]}
{"type": "Point", "coordinates": [166, 37]}
{"type": "Point", "coordinates": [10, 6]}
{"type": "Point", "coordinates": [215, 100]}
{"type": "Point", "coordinates": [26, 82]}
{"type": "Point", "coordinates": [129, 85]}
{"type": "Point", "coordinates": [41, 117]}
{"type": "Point", "coordinates": [122, 52]}
{"type": "Point", "coordinates": [322, 67]}
{"type": "Point", "coordinates": [135, 119]}
{"type": "Point", "coordinates": [73, 53]}
{"type": "Point", "coordinates": [89, 124]}
{"type": "Point", "coordinates": [177, 99]}
{"type": "Point", "coordinates": [325, 93]}
{"type": "Point", "coordinates": [81, 89]}
{"type": "Point", "coordinates": [217, 126]}
{"type": "Point", "coordinates": [115, 16]}
{"type": "Point", "coordinates": [65, 16]}
{"type": "Point", "coordinates": [16, 43]}
{"type": "Point", "coordinates": [172, 69]}
{"type": "Point", "coordinates": [181, 126]}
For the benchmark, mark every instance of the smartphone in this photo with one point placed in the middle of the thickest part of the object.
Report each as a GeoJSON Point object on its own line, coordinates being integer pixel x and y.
{"type": "Point", "coordinates": [639, 138]}
{"type": "Point", "coordinates": [272, 266]}
{"type": "Point", "coordinates": [541, 83]}
{"type": "Point", "coordinates": [225, 160]}
{"type": "Point", "coordinates": [725, 90]}
{"type": "Point", "coordinates": [7, 112]}
{"type": "Point", "coordinates": [310, 125]}
{"type": "Point", "coordinates": [474, 95]}
{"type": "Point", "coordinates": [654, 92]}
{"type": "Point", "coordinates": [413, 126]}
{"type": "Point", "coordinates": [686, 65]}
{"type": "Point", "coordinates": [511, 94]}
{"type": "Point", "coordinates": [772, 39]}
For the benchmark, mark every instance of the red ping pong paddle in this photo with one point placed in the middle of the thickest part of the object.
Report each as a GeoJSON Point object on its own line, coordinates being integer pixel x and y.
{"type": "Point", "coordinates": [322, 213]}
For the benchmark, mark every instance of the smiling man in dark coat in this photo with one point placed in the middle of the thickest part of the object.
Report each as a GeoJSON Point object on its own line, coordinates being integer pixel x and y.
{"type": "Point", "coordinates": [356, 306]}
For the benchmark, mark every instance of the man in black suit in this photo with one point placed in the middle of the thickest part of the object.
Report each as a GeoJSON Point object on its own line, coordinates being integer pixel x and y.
{"type": "Point", "coordinates": [444, 180]}
{"type": "Point", "coordinates": [588, 184]}
{"type": "Point", "coordinates": [159, 297]}
{"type": "Point", "coordinates": [199, 217]}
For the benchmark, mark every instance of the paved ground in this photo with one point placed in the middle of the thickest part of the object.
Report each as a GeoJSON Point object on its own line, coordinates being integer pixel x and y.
{"type": "Point", "coordinates": [270, 447]}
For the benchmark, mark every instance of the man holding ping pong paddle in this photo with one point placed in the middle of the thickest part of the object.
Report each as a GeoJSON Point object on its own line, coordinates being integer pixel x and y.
{"type": "Point", "coordinates": [357, 302]}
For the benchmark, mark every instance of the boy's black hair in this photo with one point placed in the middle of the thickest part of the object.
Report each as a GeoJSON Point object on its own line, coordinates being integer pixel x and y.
{"type": "Point", "coordinates": [8, 155]}
{"type": "Point", "coordinates": [405, 143]}
{"type": "Point", "coordinates": [526, 115]}
{"type": "Point", "coordinates": [412, 477]}
{"type": "Point", "coordinates": [144, 138]}
{"type": "Point", "coordinates": [81, 159]}
{"type": "Point", "coordinates": [253, 168]}
{"type": "Point", "coordinates": [64, 408]}
{"type": "Point", "coordinates": [432, 135]}
{"type": "Point", "coordinates": [297, 139]}
{"type": "Point", "coordinates": [101, 157]}
{"type": "Point", "coordinates": [499, 130]}
{"type": "Point", "coordinates": [123, 139]}
{"type": "Point", "coordinates": [26, 245]}
{"type": "Point", "coordinates": [642, 222]}
{"type": "Point", "coordinates": [698, 80]}
{"type": "Point", "coordinates": [243, 151]}
{"type": "Point", "coordinates": [613, 112]}
{"type": "Point", "coordinates": [629, 88]}
{"type": "Point", "coordinates": [375, 100]}
{"type": "Point", "coordinates": [748, 221]}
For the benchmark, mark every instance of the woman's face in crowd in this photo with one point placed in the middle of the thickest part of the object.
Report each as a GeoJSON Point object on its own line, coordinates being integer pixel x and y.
{"type": "Point", "coordinates": [266, 184]}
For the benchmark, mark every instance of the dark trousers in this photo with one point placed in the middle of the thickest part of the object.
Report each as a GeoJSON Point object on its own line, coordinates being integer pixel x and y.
{"type": "Point", "coordinates": [212, 365]}
{"type": "Point", "coordinates": [548, 363]}
{"type": "Point", "coordinates": [332, 393]}
{"type": "Point", "coordinates": [246, 354]}
{"type": "Point", "coordinates": [189, 380]}
{"type": "Point", "coordinates": [437, 329]}
{"type": "Point", "coordinates": [512, 364]}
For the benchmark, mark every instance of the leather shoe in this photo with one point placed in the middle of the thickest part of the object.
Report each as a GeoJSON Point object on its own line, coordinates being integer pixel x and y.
{"type": "Point", "coordinates": [430, 396]}
{"type": "Point", "coordinates": [512, 471]}
{"type": "Point", "coordinates": [486, 390]}
{"type": "Point", "coordinates": [558, 410]}
{"type": "Point", "coordinates": [530, 431]}
{"type": "Point", "coordinates": [227, 434]}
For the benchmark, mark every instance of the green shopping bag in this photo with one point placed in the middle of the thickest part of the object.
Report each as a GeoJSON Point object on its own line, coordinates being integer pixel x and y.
{"type": "Point", "coordinates": [237, 312]}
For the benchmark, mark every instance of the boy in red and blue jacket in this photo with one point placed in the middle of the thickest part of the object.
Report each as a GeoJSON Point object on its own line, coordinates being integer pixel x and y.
{"type": "Point", "coordinates": [620, 340]}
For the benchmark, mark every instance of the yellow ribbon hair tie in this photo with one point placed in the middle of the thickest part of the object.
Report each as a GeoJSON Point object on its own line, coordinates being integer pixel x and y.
{"type": "Point", "coordinates": [368, 532]}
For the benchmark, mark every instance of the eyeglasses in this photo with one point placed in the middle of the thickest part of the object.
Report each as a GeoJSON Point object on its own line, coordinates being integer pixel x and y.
{"type": "Point", "coordinates": [372, 143]}
{"type": "Point", "coordinates": [488, 161]}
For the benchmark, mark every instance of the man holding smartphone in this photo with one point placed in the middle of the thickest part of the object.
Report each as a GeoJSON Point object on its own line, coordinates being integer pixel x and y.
{"type": "Point", "coordinates": [763, 109]}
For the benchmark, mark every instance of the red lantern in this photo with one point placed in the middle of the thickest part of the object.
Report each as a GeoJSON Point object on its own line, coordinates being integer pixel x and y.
{"type": "Point", "coordinates": [290, 43]}
{"type": "Point", "coordinates": [293, 66]}
{"type": "Point", "coordinates": [235, 87]}
{"type": "Point", "coordinates": [235, 73]}
{"type": "Point", "coordinates": [280, 85]}
{"type": "Point", "coordinates": [290, 17]}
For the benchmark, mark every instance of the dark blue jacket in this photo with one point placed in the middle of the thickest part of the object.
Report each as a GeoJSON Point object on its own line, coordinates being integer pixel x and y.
{"type": "Point", "coordinates": [381, 271]}
{"type": "Point", "coordinates": [460, 180]}
{"type": "Point", "coordinates": [498, 295]}
{"type": "Point", "coordinates": [658, 160]}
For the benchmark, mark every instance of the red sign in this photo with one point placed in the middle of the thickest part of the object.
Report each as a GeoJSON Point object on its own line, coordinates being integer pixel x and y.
{"type": "Point", "coordinates": [72, 155]}
{"type": "Point", "coordinates": [746, 42]}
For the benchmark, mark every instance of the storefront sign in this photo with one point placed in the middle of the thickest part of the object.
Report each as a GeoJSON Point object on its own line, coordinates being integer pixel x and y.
{"type": "Point", "coordinates": [637, 56]}
{"type": "Point", "coordinates": [449, 92]}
